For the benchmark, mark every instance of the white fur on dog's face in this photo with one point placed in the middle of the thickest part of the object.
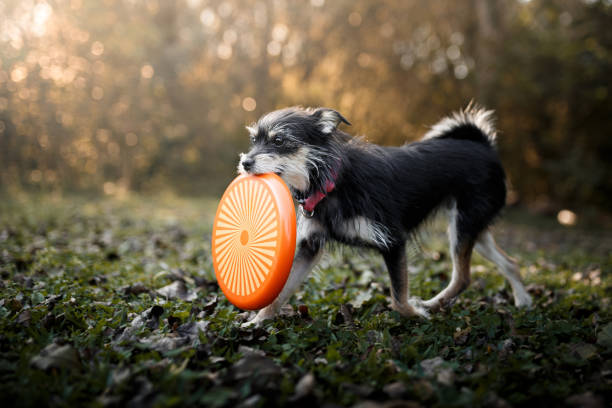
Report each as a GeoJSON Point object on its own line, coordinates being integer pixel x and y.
{"type": "Point", "coordinates": [290, 142]}
{"type": "Point", "coordinates": [292, 168]}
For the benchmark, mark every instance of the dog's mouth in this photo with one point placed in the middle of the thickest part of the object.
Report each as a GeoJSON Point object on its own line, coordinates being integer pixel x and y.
{"type": "Point", "coordinates": [299, 196]}
{"type": "Point", "coordinates": [279, 173]}
{"type": "Point", "coordinates": [286, 172]}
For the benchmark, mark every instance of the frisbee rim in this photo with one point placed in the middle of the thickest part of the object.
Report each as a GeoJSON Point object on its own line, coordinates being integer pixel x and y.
{"type": "Point", "coordinates": [280, 268]}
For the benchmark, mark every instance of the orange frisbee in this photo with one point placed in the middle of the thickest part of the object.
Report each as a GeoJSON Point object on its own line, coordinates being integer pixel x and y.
{"type": "Point", "coordinates": [253, 240]}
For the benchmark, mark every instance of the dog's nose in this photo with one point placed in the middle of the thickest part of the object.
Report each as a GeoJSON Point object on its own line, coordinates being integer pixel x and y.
{"type": "Point", "coordinates": [247, 163]}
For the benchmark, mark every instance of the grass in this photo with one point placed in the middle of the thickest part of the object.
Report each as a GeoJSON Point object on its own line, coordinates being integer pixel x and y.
{"type": "Point", "coordinates": [114, 303]}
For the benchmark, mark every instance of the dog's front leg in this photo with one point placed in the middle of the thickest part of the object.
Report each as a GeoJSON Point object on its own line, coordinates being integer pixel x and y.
{"type": "Point", "coordinates": [310, 244]}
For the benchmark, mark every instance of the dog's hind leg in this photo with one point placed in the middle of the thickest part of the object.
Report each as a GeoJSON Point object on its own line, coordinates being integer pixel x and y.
{"type": "Point", "coordinates": [461, 245]}
{"type": "Point", "coordinates": [486, 246]}
{"type": "Point", "coordinates": [395, 259]}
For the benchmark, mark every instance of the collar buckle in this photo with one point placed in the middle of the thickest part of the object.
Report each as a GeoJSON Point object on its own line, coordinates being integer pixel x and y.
{"type": "Point", "coordinates": [306, 213]}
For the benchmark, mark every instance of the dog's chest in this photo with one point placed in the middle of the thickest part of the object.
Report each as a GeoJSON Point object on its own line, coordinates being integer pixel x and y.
{"type": "Point", "coordinates": [358, 230]}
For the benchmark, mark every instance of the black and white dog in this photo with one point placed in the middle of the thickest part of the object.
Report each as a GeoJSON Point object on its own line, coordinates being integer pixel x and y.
{"type": "Point", "coordinates": [362, 194]}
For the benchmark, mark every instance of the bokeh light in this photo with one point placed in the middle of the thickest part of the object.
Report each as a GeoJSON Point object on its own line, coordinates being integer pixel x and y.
{"type": "Point", "coordinates": [147, 71]}
{"type": "Point", "coordinates": [566, 217]}
{"type": "Point", "coordinates": [157, 93]}
{"type": "Point", "coordinates": [249, 104]}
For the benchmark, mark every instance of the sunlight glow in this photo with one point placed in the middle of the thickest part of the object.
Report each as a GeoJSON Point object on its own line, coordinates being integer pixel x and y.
{"type": "Point", "coordinates": [97, 48]}
{"type": "Point", "coordinates": [279, 32]}
{"type": "Point", "coordinates": [566, 217]}
{"type": "Point", "coordinates": [19, 73]}
{"type": "Point", "coordinates": [208, 17]}
{"type": "Point", "coordinates": [41, 14]}
{"type": "Point", "coordinates": [147, 71]}
{"type": "Point", "coordinates": [249, 104]}
{"type": "Point", "coordinates": [224, 51]}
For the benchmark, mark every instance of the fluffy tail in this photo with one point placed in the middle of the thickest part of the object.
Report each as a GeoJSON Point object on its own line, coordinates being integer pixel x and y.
{"type": "Point", "coordinates": [472, 123]}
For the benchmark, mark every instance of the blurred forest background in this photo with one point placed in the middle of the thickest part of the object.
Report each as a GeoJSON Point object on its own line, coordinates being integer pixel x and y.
{"type": "Point", "coordinates": [113, 96]}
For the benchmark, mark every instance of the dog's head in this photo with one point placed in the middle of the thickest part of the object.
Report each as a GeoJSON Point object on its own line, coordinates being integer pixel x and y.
{"type": "Point", "coordinates": [300, 145]}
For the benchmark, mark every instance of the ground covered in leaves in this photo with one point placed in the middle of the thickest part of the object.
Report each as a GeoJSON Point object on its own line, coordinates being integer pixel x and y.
{"type": "Point", "coordinates": [114, 303]}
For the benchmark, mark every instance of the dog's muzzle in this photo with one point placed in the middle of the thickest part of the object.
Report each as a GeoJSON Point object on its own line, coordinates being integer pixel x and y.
{"type": "Point", "coordinates": [247, 163]}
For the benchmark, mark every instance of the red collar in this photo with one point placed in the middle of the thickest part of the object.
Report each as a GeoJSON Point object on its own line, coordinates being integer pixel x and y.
{"type": "Point", "coordinates": [312, 200]}
{"type": "Point", "coordinates": [309, 203]}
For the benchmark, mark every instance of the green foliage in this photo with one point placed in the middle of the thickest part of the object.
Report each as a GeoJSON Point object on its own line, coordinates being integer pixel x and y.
{"type": "Point", "coordinates": [93, 313]}
{"type": "Point", "coordinates": [124, 95]}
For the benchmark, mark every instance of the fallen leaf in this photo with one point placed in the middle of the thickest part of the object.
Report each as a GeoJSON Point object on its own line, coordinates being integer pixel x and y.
{"type": "Point", "coordinates": [584, 351]}
{"type": "Point", "coordinates": [254, 365]}
{"type": "Point", "coordinates": [56, 356]}
{"type": "Point", "coordinates": [395, 389]}
{"type": "Point", "coordinates": [24, 317]}
{"type": "Point", "coordinates": [303, 310]}
{"type": "Point", "coordinates": [387, 404]}
{"type": "Point", "coordinates": [436, 367]}
{"type": "Point", "coordinates": [51, 301]}
{"type": "Point", "coordinates": [287, 311]}
{"type": "Point", "coordinates": [217, 359]}
{"type": "Point", "coordinates": [423, 389]}
{"type": "Point", "coordinates": [193, 329]}
{"type": "Point", "coordinates": [586, 400]}
{"type": "Point", "coordinates": [164, 343]}
{"type": "Point", "coordinates": [210, 306]}
{"type": "Point", "coordinates": [177, 290]}
{"type": "Point", "coordinates": [366, 278]}
{"type": "Point", "coordinates": [173, 322]}
{"type": "Point", "coordinates": [492, 400]}
{"type": "Point", "coordinates": [247, 351]}
{"type": "Point", "coordinates": [604, 337]}
{"type": "Point", "coordinates": [14, 304]}
{"type": "Point", "coordinates": [506, 347]}
{"type": "Point", "coordinates": [304, 386]}
{"type": "Point", "coordinates": [149, 318]}
{"type": "Point", "coordinates": [251, 402]}
{"type": "Point", "coordinates": [361, 298]}
{"type": "Point", "coordinates": [461, 336]}
{"type": "Point", "coordinates": [361, 390]}
{"type": "Point", "coordinates": [535, 289]}
{"type": "Point", "coordinates": [344, 315]}
{"type": "Point", "coordinates": [135, 289]}
{"type": "Point", "coordinates": [120, 375]}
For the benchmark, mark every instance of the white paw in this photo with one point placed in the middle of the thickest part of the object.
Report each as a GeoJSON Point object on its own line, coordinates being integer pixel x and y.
{"type": "Point", "coordinates": [419, 307]}
{"type": "Point", "coordinates": [251, 323]}
{"type": "Point", "coordinates": [266, 313]}
{"type": "Point", "coordinates": [522, 299]}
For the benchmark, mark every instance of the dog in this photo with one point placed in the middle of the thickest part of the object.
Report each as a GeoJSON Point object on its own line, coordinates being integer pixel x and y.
{"type": "Point", "coordinates": [361, 194]}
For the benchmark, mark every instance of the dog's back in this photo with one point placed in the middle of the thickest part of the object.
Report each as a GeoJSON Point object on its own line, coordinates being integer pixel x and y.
{"type": "Point", "coordinates": [458, 167]}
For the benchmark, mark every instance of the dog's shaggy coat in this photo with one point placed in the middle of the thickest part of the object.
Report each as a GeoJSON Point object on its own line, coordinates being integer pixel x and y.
{"type": "Point", "coordinates": [363, 194]}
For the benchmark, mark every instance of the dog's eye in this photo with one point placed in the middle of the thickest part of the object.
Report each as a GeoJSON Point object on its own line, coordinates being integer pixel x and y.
{"type": "Point", "coordinates": [278, 141]}
{"type": "Point", "coordinates": [252, 139]}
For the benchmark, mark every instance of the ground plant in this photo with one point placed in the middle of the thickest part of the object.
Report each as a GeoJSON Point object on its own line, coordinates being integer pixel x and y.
{"type": "Point", "coordinates": [113, 302]}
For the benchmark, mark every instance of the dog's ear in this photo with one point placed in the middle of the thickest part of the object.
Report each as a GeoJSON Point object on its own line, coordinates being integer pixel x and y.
{"type": "Point", "coordinates": [252, 129]}
{"type": "Point", "coordinates": [328, 119]}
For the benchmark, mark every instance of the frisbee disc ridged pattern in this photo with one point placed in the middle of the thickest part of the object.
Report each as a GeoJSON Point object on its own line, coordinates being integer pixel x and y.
{"type": "Point", "coordinates": [253, 240]}
{"type": "Point", "coordinates": [246, 237]}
